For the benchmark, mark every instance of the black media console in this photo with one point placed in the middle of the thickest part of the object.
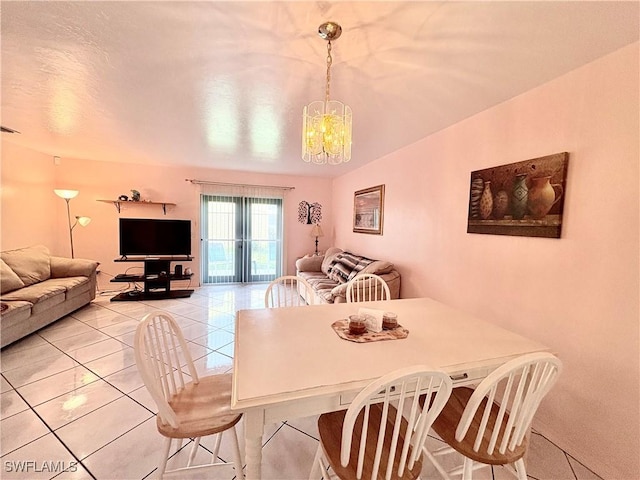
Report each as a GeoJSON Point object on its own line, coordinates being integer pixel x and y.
{"type": "Point", "coordinates": [157, 278]}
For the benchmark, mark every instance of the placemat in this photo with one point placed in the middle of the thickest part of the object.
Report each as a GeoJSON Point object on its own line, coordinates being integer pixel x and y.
{"type": "Point", "coordinates": [341, 327]}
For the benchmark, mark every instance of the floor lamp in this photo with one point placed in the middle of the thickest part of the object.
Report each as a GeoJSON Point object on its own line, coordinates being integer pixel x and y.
{"type": "Point", "coordinates": [316, 231]}
{"type": "Point", "coordinates": [83, 221]}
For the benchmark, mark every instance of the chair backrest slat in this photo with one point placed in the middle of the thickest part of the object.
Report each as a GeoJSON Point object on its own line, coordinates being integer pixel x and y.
{"type": "Point", "coordinates": [158, 347]}
{"type": "Point", "coordinates": [288, 291]}
{"type": "Point", "coordinates": [367, 287]}
{"type": "Point", "coordinates": [390, 397]}
{"type": "Point", "coordinates": [523, 383]}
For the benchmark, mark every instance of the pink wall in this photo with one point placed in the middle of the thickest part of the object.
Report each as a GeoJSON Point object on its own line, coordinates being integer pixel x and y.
{"type": "Point", "coordinates": [106, 180]}
{"type": "Point", "coordinates": [577, 294]}
{"type": "Point", "coordinates": [28, 205]}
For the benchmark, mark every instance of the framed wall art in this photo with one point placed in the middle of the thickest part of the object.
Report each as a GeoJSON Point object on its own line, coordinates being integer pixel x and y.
{"type": "Point", "coordinates": [523, 199]}
{"type": "Point", "coordinates": [368, 210]}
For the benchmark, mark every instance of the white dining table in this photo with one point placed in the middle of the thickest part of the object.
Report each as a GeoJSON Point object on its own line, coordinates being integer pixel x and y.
{"type": "Point", "coordinates": [290, 363]}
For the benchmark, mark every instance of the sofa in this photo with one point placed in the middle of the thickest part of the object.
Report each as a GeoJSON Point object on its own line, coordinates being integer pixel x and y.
{"type": "Point", "coordinates": [329, 274]}
{"type": "Point", "coordinates": [38, 289]}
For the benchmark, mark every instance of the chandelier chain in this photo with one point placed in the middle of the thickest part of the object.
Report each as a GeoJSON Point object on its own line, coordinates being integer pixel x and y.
{"type": "Point", "coordinates": [329, 62]}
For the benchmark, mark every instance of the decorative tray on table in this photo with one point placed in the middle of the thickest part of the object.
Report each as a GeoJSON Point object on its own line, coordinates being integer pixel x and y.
{"type": "Point", "coordinates": [341, 327]}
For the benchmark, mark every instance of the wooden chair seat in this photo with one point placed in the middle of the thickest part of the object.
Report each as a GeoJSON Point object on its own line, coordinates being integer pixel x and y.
{"type": "Point", "coordinates": [447, 422]}
{"type": "Point", "coordinates": [330, 428]}
{"type": "Point", "coordinates": [202, 409]}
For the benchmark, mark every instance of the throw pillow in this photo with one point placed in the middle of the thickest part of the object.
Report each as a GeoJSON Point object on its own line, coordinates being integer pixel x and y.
{"type": "Point", "coordinates": [9, 281]}
{"type": "Point", "coordinates": [31, 264]}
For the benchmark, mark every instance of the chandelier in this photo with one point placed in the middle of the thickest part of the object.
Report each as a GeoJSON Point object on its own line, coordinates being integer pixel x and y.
{"type": "Point", "coordinates": [326, 124]}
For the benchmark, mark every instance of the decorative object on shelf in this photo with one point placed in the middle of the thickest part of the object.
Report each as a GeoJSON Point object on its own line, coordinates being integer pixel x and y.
{"type": "Point", "coordinates": [316, 231]}
{"type": "Point", "coordinates": [368, 210]}
{"type": "Point", "coordinates": [135, 195]}
{"type": "Point", "coordinates": [118, 203]}
{"type": "Point", "coordinates": [67, 195]}
{"type": "Point", "coordinates": [326, 125]}
{"type": "Point", "coordinates": [309, 213]}
{"type": "Point", "coordinates": [123, 198]}
{"type": "Point", "coordinates": [535, 204]}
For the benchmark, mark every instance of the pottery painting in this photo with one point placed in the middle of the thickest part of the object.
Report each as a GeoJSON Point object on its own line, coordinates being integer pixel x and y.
{"type": "Point", "coordinates": [524, 198]}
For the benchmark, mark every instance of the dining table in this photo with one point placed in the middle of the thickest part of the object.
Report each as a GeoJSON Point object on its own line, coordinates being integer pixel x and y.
{"type": "Point", "coordinates": [290, 362]}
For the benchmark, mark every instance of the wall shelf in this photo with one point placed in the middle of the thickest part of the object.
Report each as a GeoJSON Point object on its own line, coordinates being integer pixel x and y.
{"type": "Point", "coordinates": [118, 204]}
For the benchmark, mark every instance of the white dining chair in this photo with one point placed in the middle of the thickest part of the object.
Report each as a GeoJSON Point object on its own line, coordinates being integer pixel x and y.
{"type": "Point", "coordinates": [189, 406]}
{"type": "Point", "coordinates": [367, 287]}
{"type": "Point", "coordinates": [489, 425]}
{"type": "Point", "coordinates": [288, 291]}
{"type": "Point", "coordinates": [382, 433]}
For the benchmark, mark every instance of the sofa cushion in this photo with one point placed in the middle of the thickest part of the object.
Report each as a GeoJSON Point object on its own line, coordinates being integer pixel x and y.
{"type": "Point", "coordinates": [378, 267]}
{"type": "Point", "coordinates": [321, 284]}
{"type": "Point", "coordinates": [329, 259]}
{"type": "Point", "coordinates": [17, 310]}
{"type": "Point", "coordinates": [43, 294]}
{"type": "Point", "coordinates": [31, 264]}
{"type": "Point", "coordinates": [74, 286]}
{"type": "Point", "coordinates": [8, 279]}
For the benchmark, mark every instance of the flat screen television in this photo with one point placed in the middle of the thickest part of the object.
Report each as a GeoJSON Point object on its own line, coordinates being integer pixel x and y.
{"type": "Point", "coordinates": [152, 237]}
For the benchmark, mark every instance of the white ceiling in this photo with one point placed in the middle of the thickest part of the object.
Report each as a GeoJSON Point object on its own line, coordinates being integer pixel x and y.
{"type": "Point", "coordinates": [223, 84]}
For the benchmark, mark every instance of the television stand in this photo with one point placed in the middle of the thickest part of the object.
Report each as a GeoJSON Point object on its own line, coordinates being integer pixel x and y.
{"type": "Point", "coordinates": [157, 278]}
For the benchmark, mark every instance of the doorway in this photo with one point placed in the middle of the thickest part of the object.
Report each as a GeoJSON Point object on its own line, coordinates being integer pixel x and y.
{"type": "Point", "coordinates": [241, 239]}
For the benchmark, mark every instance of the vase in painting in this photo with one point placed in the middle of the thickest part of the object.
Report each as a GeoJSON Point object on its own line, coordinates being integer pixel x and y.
{"type": "Point", "coordinates": [542, 196]}
{"type": "Point", "coordinates": [519, 197]}
{"type": "Point", "coordinates": [477, 185]}
{"type": "Point", "coordinates": [500, 204]}
{"type": "Point", "coordinates": [486, 201]}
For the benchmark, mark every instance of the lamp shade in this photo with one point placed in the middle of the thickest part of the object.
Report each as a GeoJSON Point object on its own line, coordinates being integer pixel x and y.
{"type": "Point", "coordinates": [66, 194]}
{"type": "Point", "coordinates": [83, 221]}
{"type": "Point", "coordinates": [316, 231]}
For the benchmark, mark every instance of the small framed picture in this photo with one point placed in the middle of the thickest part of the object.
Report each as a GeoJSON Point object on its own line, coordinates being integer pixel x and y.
{"type": "Point", "coordinates": [368, 210]}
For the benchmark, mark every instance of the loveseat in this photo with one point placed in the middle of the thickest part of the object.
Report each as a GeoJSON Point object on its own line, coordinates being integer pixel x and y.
{"type": "Point", "coordinates": [38, 289]}
{"type": "Point", "coordinates": [329, 274]}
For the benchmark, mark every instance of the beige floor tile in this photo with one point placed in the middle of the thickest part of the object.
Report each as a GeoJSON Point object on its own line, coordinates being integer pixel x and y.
{"type": "Point", "coordinates": [121, 328]}
{"type": "Point", "coordinates": [142, 396]}
{"type": "Point", "coordinates": [308, 425]}
{"type": "Point", "coordinates": [74, 404]}
{"type": "Point", "coordinates": [96, 350]}
{"type": "Point", "coordinates": [582, 472]}
{"type": "Point", "coordinates": [122, 358]}
{"type": "Point", "coordinates": [43, 458]}
{"type": "Point", "coordinates": [76, 342]}
{"type": "Point", "coordinates": [288, 455]}
{"type": "Point", "coordinates": [65, 328]}
{"type": "Point", "coordinates": [55, 385]}
{"type": "Point", "coordinates": [132, 456]}
{"type": "Point", "coordinates": [91, 432]}
{"type": "Point", "coordinates": [545, 461]}
{"type": "Point", "coordinates": [215, 339]}
{"type": "Point", "coordinates": [126, 380]}
{"type": "Point", "coordinates": [11, 403]}
{"type": "Point", "coordinates": [4, 385]}
{"type": "Point", "coordinates": [33, 371]}
{"type": "Point", "coordinates": [14, 355]}
{"type": "Point", "coordinates": [20, 429]}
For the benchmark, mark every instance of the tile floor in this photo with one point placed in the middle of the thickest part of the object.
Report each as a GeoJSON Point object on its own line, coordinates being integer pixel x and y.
{"type": "Point", "coordinates": [74, 406]}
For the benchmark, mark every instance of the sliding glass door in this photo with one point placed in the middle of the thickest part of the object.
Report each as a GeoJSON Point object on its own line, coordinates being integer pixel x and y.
{"type": "Point", "coordinates": [241, 239]}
